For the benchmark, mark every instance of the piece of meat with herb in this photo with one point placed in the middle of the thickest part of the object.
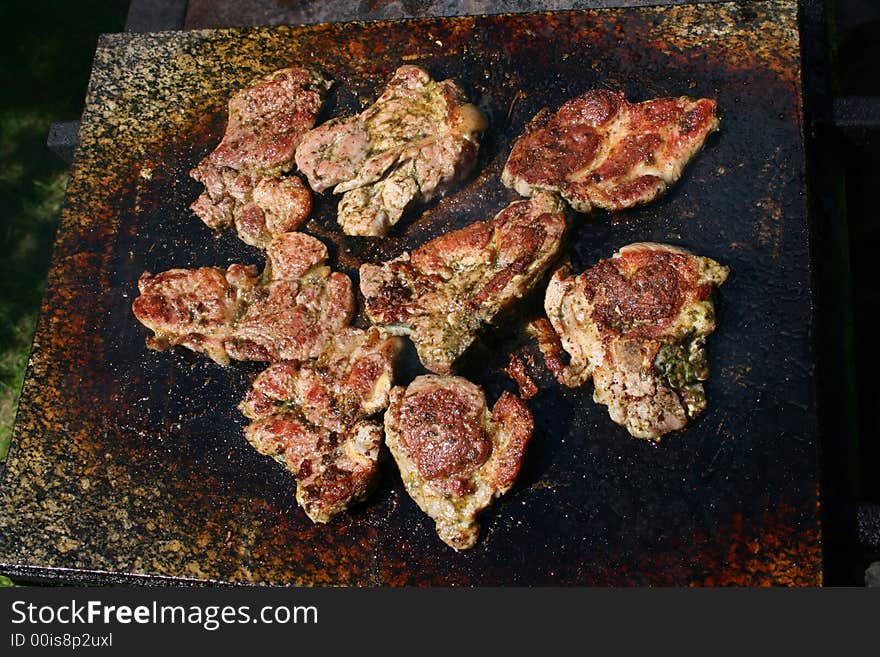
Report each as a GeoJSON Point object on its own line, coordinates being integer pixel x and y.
{"type": "Point", "coordinates": [310, 416]}
{"type": "Point", "coordinates": [242, 175]}
{"type": "Point", "coordinates": [349, 382]}
{"type": "Point", "coordinates": [418, 139]}
{"type": "Point", "coordinates": [273, 207]}
{"type": "Point", "coordinates": [455, 456]}
{"type": "Point", "coordinates": [193, 308]}
{"type": "Point", "coordinates": [267, 121]}
{"type": "Point", "coordinates": [551, 349]}
{"type": "Point", "coordinates": [333, 470]}
{"type": "Point", "coordinates": [260, 208]}
{"type": "Point", "coordinates": [292, 311]}
{"type": "Point", "coordinates": [297, 309]}
{"type": "Point", "coordinates": [598, 150]}
{"type": "Point", "coordinates": [449, 288]}
{"type": "Point", "coordinates": [637, 323]}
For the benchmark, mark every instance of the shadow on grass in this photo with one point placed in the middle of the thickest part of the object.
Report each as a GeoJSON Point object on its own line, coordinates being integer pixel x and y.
{"type": "Point", "coordinates": [44, 67]}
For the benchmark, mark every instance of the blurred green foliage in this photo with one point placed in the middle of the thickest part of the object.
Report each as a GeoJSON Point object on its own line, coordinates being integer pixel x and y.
{"type": "Point", "coordinates": [45, 61]}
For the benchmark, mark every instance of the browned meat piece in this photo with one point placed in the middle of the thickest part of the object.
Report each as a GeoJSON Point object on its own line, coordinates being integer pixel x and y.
{"type": "Point", "coordinates": [266, 123]}
{"type": "Point", "coordinates": [259, 208]}
{"type": "Point", "coordinates": [412, 144]}
{"type": "Point", "coordinates": [273, 207]}
{"type": "Point", "coordinates": [516, 370]}
{"type": "Point", "coordinates": [449, 288]}
{"type": "Point", "coordinates": [292, 311]}
{"type": "Point", "coordinates": [551, 348]}
{"type": "Point", "coordinates": [348, 382]}
{"type": "Point", "coordinates": [454, 457]}
{"type": "Point", "coordinates": [225, 193]}
{"type": "Point", "coordinates": [333, 470]}
{"type": "Point", "coordinates": [241, 176]}
{"type": "Point", "coordinates": [638, 323]}
{"type": "Point", "coordinates": [601, 151]}
{"type": "Point", "coordinates": [310, 417]}
{"type": "Point", "coordinates": [298, 309]}
{"type": "Point", "coordinates": [194, 308]}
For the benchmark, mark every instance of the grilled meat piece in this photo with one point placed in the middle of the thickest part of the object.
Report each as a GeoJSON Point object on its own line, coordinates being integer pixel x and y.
{"type": "Point", "coordinates": [333, 470]}
{"type": "Point", "coordinates": [454, 456]}
{"type": "Point", "coordinates": [601, 151]}
{"type": "Point", "coordinates": [260, 208]}
{"type": "Point", "coordinates": [275, 206]}
{"type": "Point", "coordinates": [412, 144]}
{"type": "Point", "coordinates": [551, 349]}
{"type": "Point", "coordinates": [194, 308]}
{"type": "Point", "coordinates": [310, 417]}
{"type": "Point", "coordinates": [267, 121]}
{"type": "Point", "coordinates": [292, 311]}
{"type": "Point", "coordinates": [349, 382]}
{"type": "Point", "coordinates": [241, 176]}
{"type": "Point", "coordinates": [516, 370]}
{"type": "Point", "coordinates": [638, 323]}
{"type": "Point", "coordinates": [298, 309]}
{"type": "Point", "coordinates": [447, 289]}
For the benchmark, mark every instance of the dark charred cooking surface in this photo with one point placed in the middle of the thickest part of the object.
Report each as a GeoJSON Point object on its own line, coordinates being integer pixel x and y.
{"type": "Point", "coordinates": [126, 460]}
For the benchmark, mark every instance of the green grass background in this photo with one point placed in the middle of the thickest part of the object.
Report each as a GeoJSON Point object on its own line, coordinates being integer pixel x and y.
{"type": "Point", "coordinates": [46, 50]}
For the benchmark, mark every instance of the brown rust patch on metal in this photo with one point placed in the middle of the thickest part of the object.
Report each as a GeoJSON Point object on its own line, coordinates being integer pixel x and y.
{"type": "Point", "coordinates": [759, 551]}
{"type": "Point", "coordinates": [131, 462]}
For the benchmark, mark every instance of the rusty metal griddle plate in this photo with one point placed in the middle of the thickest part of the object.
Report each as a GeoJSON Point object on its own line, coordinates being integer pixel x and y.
{"type": "Point", "coordinates": [131, 462]}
